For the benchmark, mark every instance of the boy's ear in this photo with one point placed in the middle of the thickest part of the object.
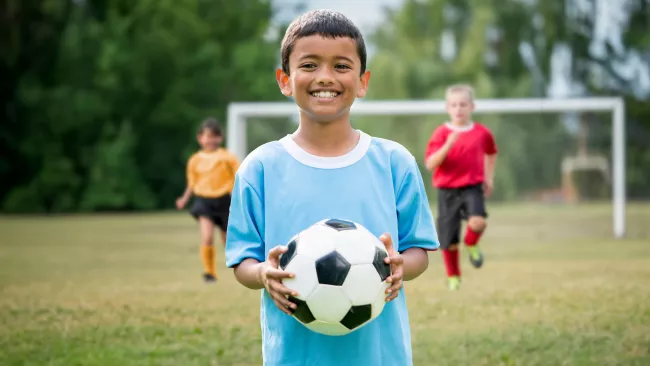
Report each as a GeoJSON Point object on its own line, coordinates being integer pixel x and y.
{"type": "Point", "coordinates": [283, 82]}
{"type": "Point", "coordinates": [363, 87]}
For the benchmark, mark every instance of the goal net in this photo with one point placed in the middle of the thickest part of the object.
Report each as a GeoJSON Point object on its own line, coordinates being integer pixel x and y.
{"type": "Point", "coordinates": [551, 151]}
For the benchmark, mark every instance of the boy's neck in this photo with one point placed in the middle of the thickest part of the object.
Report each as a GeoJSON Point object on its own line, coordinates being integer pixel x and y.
{"type": "Point", "coordinates": [326, 139]}
{"type": "Point", "coordinates": [460, 123]}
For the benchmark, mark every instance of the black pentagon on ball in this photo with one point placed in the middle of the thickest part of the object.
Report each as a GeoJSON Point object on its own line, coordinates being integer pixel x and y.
{"type": "Point", "coordinates": [382, 268]}
{"type": "Point", "coordinates": [356, 316]}
{"type": "Point", "coordinates": [332, 269]}
{"type": "Point", "coordinates": [302, 311]}
{"type": "Point", "coordinates": [287, 256]}
{"type": "Point", "coordinates": [340, 225]}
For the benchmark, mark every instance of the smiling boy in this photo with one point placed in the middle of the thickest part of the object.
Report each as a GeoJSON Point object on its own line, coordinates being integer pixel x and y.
{"type": "Point", "coordinates": [285, 186]}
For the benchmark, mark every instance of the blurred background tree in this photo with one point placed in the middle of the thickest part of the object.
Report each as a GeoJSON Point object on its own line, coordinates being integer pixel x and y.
{"type": "Point", "coordinates": [506, 49]}
{"type": "Point", "coordinates": [102, 98]}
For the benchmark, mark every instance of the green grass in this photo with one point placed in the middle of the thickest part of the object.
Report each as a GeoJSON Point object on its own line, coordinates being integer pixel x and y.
{"type": "Point", "coordinates": [126, 290]}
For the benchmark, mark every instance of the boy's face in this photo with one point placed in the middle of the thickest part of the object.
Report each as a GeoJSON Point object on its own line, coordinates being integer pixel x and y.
{"type": "Point", "coordinates": [208, 140]}
{"type": "Point", "coordinates": [325, 77]}
{"type": "Point", "coordinates": [460, 106]}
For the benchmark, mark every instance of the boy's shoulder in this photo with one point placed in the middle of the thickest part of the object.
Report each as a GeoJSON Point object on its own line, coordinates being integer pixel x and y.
{"type": "Point", "coordinates": [229, 155]}
{"type": "Point", "coordinates": [397, 152]}
{"type": "Point", "coordinates": [266, 154]}
{"type": "Point", "coordinates": [481, 127]}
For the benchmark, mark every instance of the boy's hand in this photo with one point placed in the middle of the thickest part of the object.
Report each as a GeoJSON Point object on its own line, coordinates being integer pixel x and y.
{"type": "Point", "coordinates": [180, 203]}
{"type": "Point", "coordinates": [396, 262]}
{"type": "Point", "coordinates": [488, 187]}
{"type": "Point", "coordinates": [271, 277]}
{"type": "Point", "coordinates": [452, 137]}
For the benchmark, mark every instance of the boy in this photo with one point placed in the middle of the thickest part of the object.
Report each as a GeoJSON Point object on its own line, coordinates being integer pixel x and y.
{"type": "Point", "coordinates": [462, 155]}
{"type": "Point", "coordinates": [210, 178]}
{"type": "Point", "coordinates": [323, 170]}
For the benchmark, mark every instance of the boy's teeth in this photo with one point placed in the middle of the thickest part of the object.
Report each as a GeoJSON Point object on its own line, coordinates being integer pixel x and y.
{"type": "Point", "coordinates": [325, 94]}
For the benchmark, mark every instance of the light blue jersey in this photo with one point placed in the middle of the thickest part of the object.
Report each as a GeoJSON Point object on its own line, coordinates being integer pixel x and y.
{"type": "Point", "coordinates": [281, 190]}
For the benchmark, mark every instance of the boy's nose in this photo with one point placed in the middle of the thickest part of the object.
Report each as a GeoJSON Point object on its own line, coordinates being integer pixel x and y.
{"type": "Point", "coordinates": [324, 76]}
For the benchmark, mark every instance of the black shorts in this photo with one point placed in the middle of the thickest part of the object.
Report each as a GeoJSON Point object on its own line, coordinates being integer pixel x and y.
{"type": "Point", "coordinates": [455, 205]}
{"type": "Point", "coordinates": [216, 209]}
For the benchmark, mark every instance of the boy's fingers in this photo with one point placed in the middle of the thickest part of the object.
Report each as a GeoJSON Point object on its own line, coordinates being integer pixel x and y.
{"type": "Point", "coordinates": [278, 274]}
{"type": "Point", "coordinates": [275, 252]}
{"type": "Point", "coordinates": [274, 255]}
{"type": "Point", "coordinates": [288, 305]}
{"type": "Point", "coordinates": [392, 296]}
{"type": "Point", "coordinates": [282, 308]}
{"type": "Point", "coordinates": [388, 242]}
{"type": "Point", "coordinates": [396, 260]}
{"type": "Point", "coordinates": [395, 287]}
{"type": "Point", "coordinates": [395, 277]}
{"type": "Point", "coordinates": [282, 289]}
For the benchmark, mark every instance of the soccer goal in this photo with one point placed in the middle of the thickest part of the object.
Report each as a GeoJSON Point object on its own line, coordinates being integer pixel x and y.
{"type": "Point", "coordinates": [613, 170]}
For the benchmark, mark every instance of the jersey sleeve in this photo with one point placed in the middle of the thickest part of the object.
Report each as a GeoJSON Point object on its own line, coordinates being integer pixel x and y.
{"type": "Point", "coordinates": [234, 163]}
{"type": "Point", "coordinates": [435, 143]}
{"type": "Point", "coordinates": [244, 235]}
{"type": "Point", "coordinates": [190, 171]}
{"type": "Point", "coordinates": [416, 226]}
{"type": "Point", "coordinates": [490, 143]}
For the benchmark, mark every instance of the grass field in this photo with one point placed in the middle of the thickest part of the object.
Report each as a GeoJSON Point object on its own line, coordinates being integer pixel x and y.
{"type": "Point", "coordinates": [126, 290]}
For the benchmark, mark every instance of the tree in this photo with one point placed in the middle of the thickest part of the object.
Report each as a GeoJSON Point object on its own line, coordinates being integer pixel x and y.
{"type": "Point", "coordinates": [505, 49]}
{"type": "Point", "coordinates": [121, 89]}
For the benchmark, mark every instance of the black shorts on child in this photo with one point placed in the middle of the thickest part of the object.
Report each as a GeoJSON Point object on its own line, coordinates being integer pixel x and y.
{"type": "Point", "coordinates": [454, 205]}
{"type": "Point", "coordinates": [216, 209]}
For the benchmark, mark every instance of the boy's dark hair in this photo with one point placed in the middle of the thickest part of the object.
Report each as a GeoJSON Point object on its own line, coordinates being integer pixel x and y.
{"type": "Point", "coordinates": [325, 23]}
{"type": "Point", "coordinates": [211, 124]}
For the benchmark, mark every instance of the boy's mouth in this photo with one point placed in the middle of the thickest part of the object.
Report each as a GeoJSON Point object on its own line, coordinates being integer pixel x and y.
{"type": "Point", "coordinates": [324, 94]}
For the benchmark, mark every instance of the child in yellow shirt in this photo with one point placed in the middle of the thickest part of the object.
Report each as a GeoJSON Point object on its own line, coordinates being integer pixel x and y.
{"type": "Point", "coordinates": [210, 179]}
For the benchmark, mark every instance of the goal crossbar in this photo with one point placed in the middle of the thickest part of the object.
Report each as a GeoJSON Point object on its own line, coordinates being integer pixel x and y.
{"type": "Point", "coordinates": [238, 113]}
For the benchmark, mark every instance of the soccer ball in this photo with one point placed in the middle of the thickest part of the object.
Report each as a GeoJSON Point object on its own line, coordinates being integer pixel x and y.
{"type": "Point", "coordinates": [340, 276]}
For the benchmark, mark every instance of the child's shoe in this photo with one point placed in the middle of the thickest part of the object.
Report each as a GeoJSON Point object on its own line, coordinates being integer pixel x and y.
{"type": "Point", "coordinates": [475, 256]}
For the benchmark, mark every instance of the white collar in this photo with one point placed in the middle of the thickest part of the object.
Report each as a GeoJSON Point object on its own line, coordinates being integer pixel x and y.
{"type": "Point", "coordinates": [322, 162]}
{"type": "Point", "coordinates": [466, 128]}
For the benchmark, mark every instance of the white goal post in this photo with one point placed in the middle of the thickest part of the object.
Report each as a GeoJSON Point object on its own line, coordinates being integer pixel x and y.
{"type": "Point", "coordinates": [238, 113]}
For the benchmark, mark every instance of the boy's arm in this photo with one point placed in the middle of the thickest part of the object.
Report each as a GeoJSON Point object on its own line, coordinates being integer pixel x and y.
{"type": "Point", "coordinates": [417, 232]}
{"type": "Point", "coordinates": [416, 261]}
{"type": "Point", "coordinates": [245, 251]}
{"type": "Point", "coordinates": [490, 164]}
{"type": "Point", "coordinates": [187, 193]}
{"type": "Point", "coordinates": [248, 273]}
{"type": "Point", "coordinates": [436, 155]}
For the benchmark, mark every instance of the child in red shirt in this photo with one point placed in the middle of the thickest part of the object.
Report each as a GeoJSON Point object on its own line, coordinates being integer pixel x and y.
{"type": "Point", "coordinates": [462, 156]}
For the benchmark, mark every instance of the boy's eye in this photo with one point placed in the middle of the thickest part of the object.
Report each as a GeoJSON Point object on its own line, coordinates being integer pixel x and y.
{"type": "Point", "coordinates": [342, 66]}
{"type": "Point", "coordinates": [307, 66]}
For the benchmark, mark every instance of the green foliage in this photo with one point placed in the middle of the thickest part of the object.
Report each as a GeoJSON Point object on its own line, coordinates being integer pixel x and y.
{"type": "Point", "coordinates": [109, 120]}
{"type": "Point", "coordinates": [115, 181]}
{"type": "Point", "coordinates": [486, 39]}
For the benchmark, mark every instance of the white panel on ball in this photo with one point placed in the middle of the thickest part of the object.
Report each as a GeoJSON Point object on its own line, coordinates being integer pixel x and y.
{"type": "Point", "coordinates": [333, 329]}
{"type": "Point", "coordinates": [380, 300]}
{"type": "Point", "coordinates": [354, 246]}
{"type": "Point", "coordinates": [305, 283]}
{"type": "Point", "coordinates": [362, 284]}
{"type": "Point", "coordinates": [328, 303]}
{"type": "Point", "coordinates": [378, 243]}
{"type": "Point", "coordinates": [316, 242]}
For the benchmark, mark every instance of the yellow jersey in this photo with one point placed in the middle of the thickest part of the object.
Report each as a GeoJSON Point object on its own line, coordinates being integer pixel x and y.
{"type": "Point", "coordinates": [211, 174]}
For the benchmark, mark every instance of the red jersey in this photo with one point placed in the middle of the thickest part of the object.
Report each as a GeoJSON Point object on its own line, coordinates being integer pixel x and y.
{"type": "Point", "coordinates": [464, 164]}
